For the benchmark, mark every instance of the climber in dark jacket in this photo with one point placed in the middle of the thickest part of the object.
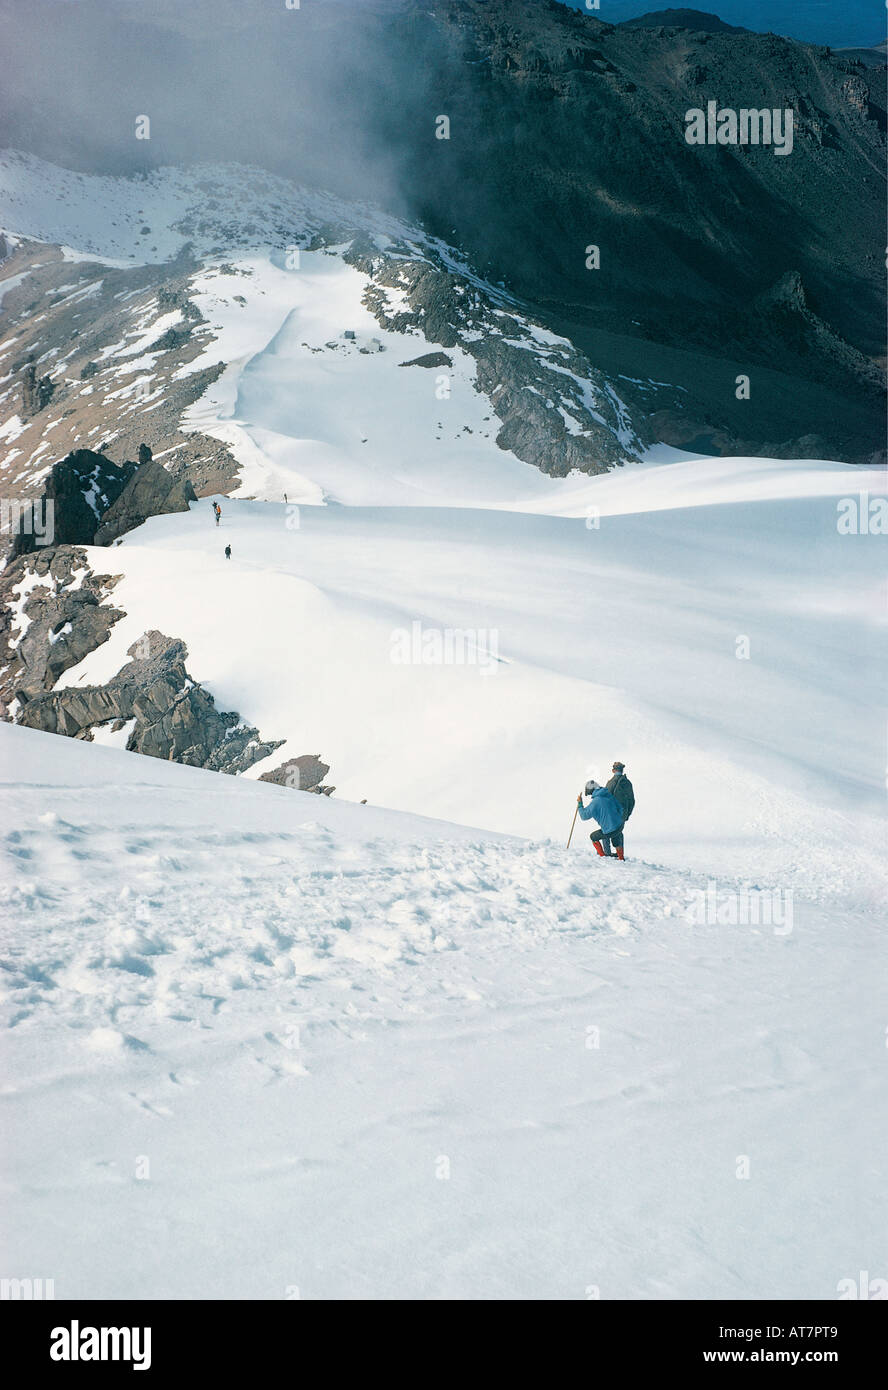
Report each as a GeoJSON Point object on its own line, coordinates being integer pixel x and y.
{"type": "Point", "coordinates": [620, 789]}
{"type": "Point", "coordinates": [604, 808]}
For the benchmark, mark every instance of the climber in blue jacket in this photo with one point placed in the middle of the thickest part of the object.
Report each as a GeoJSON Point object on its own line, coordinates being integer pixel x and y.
{"type": "Point", "coordinates": [607, 811]}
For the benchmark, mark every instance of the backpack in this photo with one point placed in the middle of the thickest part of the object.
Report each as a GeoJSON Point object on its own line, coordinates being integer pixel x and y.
{"type": "Point", "coordinates": [621, 789]}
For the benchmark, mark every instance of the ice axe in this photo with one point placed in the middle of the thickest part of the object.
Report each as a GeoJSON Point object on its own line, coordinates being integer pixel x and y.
{"type": "Point", "coordinates": [573, 823]}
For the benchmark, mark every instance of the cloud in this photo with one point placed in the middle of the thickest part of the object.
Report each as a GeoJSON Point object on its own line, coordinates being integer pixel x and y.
{"type": "Point", "coordinates": [304, 92]}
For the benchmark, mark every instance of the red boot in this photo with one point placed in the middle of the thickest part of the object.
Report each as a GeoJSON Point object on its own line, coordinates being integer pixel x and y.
{"type": "Point", "coordinates": [598, 849]}
{"type": "Point", "coordinates": [620, 852]}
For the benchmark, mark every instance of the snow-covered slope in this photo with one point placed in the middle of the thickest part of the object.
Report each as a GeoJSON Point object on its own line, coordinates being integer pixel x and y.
{"type": "Point", "coordinates": [295, 1043]}
{"type": "Point", "coordinates": [317, 416]}
{"type": "Point", "coordinates": [458, 633]}
{"type": "Point", "coordinates": [686, 640]}
{"type": "Point", "coordinates": [264, 1045]}
{"type": "Point", "coordinates": [215, 209]}
{"type": "Point", "coordinates": [363, 359]}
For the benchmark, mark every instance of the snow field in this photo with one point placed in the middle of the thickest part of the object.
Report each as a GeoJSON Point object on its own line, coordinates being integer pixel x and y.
{"type": "Point", "coordinates": [261, 1043]}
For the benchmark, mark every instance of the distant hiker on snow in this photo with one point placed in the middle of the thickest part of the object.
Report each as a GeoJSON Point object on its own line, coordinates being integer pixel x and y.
{"type": "Point", "coordinates": [228, 552]}
{"type": "Point", "coordinates": [218, 510]}
{"type": "Point", "coordinates": [607, 811]}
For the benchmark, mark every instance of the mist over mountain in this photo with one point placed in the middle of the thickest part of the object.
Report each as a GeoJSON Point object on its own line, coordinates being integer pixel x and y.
{"type": "Point", "coordinates": [564, 132]}
{"type": "Point", "coordinates": [287, 89]}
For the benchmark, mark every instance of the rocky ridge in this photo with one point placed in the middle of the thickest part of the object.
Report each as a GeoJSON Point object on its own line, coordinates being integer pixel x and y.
{"type": "Point", "coordinates": [55, 610]}
{"type": "Point", "coordinates": [156, 707]}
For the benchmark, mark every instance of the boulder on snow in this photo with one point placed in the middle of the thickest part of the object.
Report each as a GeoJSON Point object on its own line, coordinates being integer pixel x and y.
{"type": "Point", "coordinates": [151, 491]}
{"type": "Point", "coordinates": [305, 774]}
{"type": "Point", "coordinates": [429, 359]}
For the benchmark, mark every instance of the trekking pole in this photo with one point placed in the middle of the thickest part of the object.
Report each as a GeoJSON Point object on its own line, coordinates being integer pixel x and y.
{"type": "Point", "coordinates": [572, 824]}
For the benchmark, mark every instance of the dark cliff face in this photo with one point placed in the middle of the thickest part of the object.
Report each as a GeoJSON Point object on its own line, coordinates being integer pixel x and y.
{"type": "Point", "coordinates": [566, 132]}
{"type": "Point", "coordinates": [76, 494]}
{"type": "Point", "coordinates": [89, 500]}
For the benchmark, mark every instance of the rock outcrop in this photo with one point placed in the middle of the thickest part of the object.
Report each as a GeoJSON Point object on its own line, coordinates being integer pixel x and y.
{"type": "Point", "coordinates": [782, 317]}
{"type": "Point", "coordinates": [53, 613]}
{"type": "Point", "coordinates": [169, 715]}
{"type": "Point", "coordinates": [37, 391]}
{"type": "Point", "coordinates": [80, 490]}
{"type": "Point", "coordinates": [97, 390]}
{"type": "Point", "coordinates": [151, 491]}
{"type": "Point", "coordinates": [556, 411]}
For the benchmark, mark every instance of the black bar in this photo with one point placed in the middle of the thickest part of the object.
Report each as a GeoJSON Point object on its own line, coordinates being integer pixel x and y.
{"type": "Point", "coordinates": [230, 1338]}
